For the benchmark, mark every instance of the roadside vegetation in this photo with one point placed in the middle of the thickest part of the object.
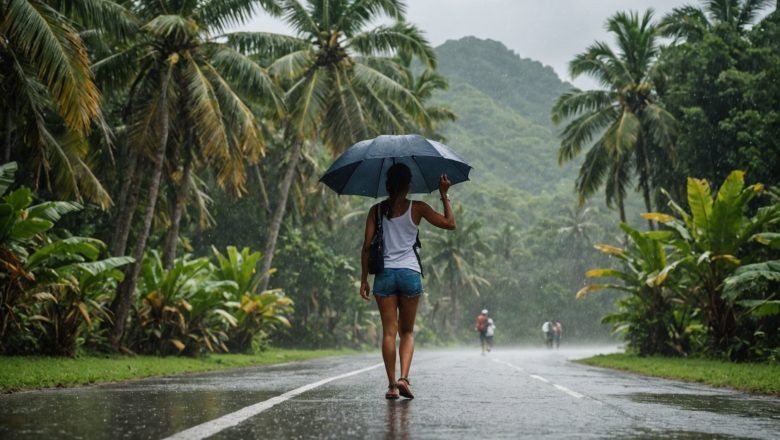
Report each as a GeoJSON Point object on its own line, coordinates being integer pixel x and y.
{"type": "Point", "coordinates": [34, 372]}
{"type": "Point", "coordinates": [702, 278]}
{"type": "Point", "coordinates": [761, 378]}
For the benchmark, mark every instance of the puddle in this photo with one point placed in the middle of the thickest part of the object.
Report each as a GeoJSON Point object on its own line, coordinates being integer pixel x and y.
{"type": "Point", "coordinates": [644, 433]}
{"type": "Point", "coordinates": [731, 405]}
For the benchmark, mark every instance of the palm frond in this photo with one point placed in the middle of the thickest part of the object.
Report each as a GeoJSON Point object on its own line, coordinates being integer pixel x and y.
{"type": "Point", "coordinates": [621, 137]}
{"type": "Point", "coordinates": [223, 14]}
{"type": "Point", "coordinates": [661, 125]}
{"type": "Point", "coordinates": [384, 40]}
{"type": "Point", "coordinates": [110, 15]}
{"type": "Point", "coordinates": [345, 121]}
{"type": "Point", "coordinates": [306, 100]}
{"type": "Point", "coordinates": [750, 10]}
{"type": "Point", "coordinates": [687, 22]}
{"type": "Point", "coordinates": [47, 41]}
{"type": "Point", "coordinates": [266, 45]}
{"type": "Point", "coordinates": [581, 131]}
{"type": "Point", "coordinates": [247, 76]}
{"type": "Point", "coordinates": [116, 71]}
{"type": "Point", "coordinates": [601, 63]}
{"type": "Point", "coordinates": [617, 181]}
{"type": "Point", "coordinates": [73, 151]}
{"type": "Point", "coordinates": [292, 65]}
{"type": "Point", "coordinates": [385, 86]}
{"type": "Point", "coordinates": [205, 111]}
{"type": "Point", "coordinates": [576, 101]}
{"type": "Point", "coordinates": [175, 27]}
{"type": "Point", "coordinates": [592, 171]}
{"type": "Point", "coordinates": [361, 12]}
{"type": "Point", "coordinates": [298, 17]}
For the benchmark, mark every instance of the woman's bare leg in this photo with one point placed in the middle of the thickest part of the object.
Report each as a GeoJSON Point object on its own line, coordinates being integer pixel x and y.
{"type": "Point", "coordinates": [388, 311]}
{"type": "Point", "coordinates": [407, 313]}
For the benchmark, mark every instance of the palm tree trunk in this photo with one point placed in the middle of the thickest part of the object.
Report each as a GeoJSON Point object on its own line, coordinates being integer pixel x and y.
{"type": "Point", "coordinates": [9, 122]}
{"type": "Point", "coordinates": [263, 191]}
{"type": "Point", "coordinates": [126, 289]}
{"type": "Point", "coordinates": [169, 247]}
{"type": "Point", "coordinates": [621, 207]}
{"type": "Point", "coordinates": [127, 203]}
{"type": "Point", "coordinates": [648, 205]}
{"type": "Point", "coordinates": [645, 182]}
{"type": "Point", "coordinates": [276, 221]}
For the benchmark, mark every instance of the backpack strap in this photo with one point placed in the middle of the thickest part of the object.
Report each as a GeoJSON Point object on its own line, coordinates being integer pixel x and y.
{"type": "Point", "coordinates": [417, 245]}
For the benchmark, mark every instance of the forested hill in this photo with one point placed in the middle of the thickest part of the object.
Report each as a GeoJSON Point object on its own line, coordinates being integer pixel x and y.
{"type": "Point", "coordinates": [503, 104]}
{"type": "Point", "coordinates": [518, 193]}
{"type": "Point", "coordinates": [524, 85]}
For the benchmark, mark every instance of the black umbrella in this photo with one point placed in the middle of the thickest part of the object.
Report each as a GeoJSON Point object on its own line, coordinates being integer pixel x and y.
{"type": "Point", "coordinates": [361, 170]}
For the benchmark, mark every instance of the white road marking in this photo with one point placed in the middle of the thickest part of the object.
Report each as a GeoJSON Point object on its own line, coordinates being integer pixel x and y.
{"type": "Point", "coordinates": [542, 379]}
{"type": "Point", "coordinates": [212, 427]}
{"type": "Point", "coordinates": [568, 391]}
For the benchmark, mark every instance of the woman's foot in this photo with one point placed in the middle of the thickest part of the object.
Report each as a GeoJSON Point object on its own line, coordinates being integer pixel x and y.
{"type": "Point", "coordinates": [392, 392]}
{"type": "Point", "coordinates": [404, 388]}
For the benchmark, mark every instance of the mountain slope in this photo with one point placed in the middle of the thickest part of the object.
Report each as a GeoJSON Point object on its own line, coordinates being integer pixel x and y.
{"type": "Point", "coordinates": [525, 85]}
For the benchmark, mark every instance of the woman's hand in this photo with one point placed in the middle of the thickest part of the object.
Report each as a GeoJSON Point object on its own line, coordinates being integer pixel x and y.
{"type": "Point", "coordinates": [444, 185]}
{"type": "Point", "coordinates": [365, 290]}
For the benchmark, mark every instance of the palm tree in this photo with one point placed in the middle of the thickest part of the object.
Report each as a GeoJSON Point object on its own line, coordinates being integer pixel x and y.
{"type": "Point", "coordinates": [338, 79]}
{"type": "Point", "coordinates": [423, 86]}
{"type": "Point", "coordinates": [691, 23]}
{"type": "Point", "coordinates": [452, 263]}
{"type": "Point", "coordinates": [50, 100]}
{"type": "Point", "coordinates": [187, 97]}
{"type": "Point", "coordinates": [623, 124]}
{"type": "Point", "coordinates": [576, 233]}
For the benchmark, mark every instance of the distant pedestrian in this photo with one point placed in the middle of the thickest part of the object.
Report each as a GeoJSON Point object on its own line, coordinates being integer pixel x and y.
{"type": "Point", "coordinates": [481, 327]}
{"type": "Point", "coordinates": [398, 286]}
{"type": "Point", "coordinates": [547, 332]}
{"type": "Point", "coordinates": [489, 333]}
{"type": "Point", "coordinates": [557, 330]}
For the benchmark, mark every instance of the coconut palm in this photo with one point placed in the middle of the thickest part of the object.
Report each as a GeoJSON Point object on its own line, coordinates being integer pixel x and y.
{"type": "Point", "coordinates": [50, 101]}
{"type": "Point", "coordinates": [624, 126]}
{"type": "Point", "coordinates": [338, 78]}
{"type": "Point", "coordinates": [692, 23]}
{"type": "Point", "coordinates": [186, 99]}
{"type": "Point", "coordinates": [422, 85]}
{"type": "Point", "coordinates": [452, 262]}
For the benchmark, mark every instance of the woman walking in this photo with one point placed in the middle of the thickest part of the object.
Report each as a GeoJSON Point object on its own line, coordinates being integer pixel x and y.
{"type": "Point", "coordinates": [398, 286]}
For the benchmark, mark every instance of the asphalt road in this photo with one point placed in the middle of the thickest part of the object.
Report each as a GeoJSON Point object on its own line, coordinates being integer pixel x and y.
{"type": "Point", "coordinates": [518, 393]}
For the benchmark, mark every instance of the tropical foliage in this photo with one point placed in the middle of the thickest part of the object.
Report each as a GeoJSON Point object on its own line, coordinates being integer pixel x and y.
{"type": "Point", "coordinates": [625, 128]}
{"type": "Point", "coordinates": [696, 286]}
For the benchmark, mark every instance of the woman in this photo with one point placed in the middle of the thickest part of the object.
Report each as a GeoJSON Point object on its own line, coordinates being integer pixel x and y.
{"type": "Point", "coordinates": [398, 287]}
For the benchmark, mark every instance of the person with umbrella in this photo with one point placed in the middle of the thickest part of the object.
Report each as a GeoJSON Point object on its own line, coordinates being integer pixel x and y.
{"type": "Point", "coordinates": [398, 286]}
{"type": "Point", "coordinates": [406, 164]}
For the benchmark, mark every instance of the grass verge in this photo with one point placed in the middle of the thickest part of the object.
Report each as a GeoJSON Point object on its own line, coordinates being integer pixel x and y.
{"type": "Point", "coordinates": [19, 373]}
{"type": "Point", "coordinates": [756, 378]}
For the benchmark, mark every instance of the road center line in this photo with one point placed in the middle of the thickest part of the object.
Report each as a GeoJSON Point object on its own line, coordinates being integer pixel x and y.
{"type": "Point", "coordinates": [568, 391]}
{"type": "Point", "coordinates": [212, 427]}
{"type": "Point", "coordinates": [542, 379]}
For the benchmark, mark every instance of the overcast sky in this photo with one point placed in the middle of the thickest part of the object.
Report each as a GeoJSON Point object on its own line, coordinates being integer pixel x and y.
{"type": "Point", "coordinates": [550, 31]}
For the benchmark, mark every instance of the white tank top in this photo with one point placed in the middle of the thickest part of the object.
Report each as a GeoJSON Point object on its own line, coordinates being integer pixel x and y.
{"type": "Point", "coordinates": [400, 234]}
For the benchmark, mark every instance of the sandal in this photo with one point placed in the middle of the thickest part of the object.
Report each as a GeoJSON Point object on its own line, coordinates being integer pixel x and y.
{"type": "Point", "coordinates": [392, 392]}
{"type": "Point", "coordinates": [404, 388]}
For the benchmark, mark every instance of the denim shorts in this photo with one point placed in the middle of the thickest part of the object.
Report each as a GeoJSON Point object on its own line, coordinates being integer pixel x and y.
{"type": "Point", "coordinates": [404, 282]}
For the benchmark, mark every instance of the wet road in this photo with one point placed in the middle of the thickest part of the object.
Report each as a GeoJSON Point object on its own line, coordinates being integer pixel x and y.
{"type": "Point", "coordinates": [459, 394]}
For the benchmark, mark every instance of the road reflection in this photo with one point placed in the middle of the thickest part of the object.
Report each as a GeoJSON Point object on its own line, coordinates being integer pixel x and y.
{"type": "Point", "coordinates": [397, 422]}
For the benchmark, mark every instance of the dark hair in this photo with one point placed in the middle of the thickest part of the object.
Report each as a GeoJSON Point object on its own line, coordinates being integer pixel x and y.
{"type": "Point", "coordinates": [398, 178]}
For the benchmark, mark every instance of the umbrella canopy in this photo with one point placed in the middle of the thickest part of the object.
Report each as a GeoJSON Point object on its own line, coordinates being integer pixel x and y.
{"type": "Point", "coordinates": [362, 169]}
